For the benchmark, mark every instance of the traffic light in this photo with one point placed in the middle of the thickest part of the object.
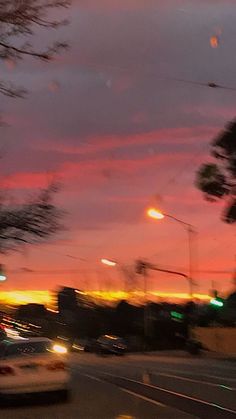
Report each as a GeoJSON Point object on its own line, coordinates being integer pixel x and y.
{"type": "Point", "coordinates": [141, 267]}
{"type": "Point", "coordinates": [217, 302]}
{"type": "Point", "coordinates": [176, 315]}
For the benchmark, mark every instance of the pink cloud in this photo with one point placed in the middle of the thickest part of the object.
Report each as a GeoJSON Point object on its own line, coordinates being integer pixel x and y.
{"type": "Point", "coordinates": [27, 180]}
{"type": "Point", "coordinates": [93, 170]}
{"type": "Point", "coordinates": [127, 199]}
{"type": "Point", "coordinates": [125, 166]}
{"type": "Point", "coordinates": [184, 135]}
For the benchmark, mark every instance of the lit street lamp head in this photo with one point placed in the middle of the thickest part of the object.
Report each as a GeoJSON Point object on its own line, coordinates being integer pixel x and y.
{"type": "Point", "coordinates": [108, 262]}
{"type": "Point", "coordinates": [155, 213]}
{"type": "Point", "coordinates": [3, 276]}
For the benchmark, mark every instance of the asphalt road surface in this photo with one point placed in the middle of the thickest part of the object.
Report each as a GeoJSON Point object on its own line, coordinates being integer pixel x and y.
{"type": "Point", "coordinates": [139, 387]}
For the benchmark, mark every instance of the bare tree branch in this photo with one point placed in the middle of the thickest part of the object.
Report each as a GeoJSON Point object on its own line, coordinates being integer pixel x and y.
{"type": "Point", "coordinates": [32, 222]}
{"type": "Point", "coordinates": [19, 20]}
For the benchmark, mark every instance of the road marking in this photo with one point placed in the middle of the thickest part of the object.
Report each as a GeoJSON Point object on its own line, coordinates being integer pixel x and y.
{"type": "Point", "coordinates": [146, 399]}
{"type": "Point", "coordinates": [192, 380]}
{"type": "Point", "coordinates": [197, 374]}
{"type": "Point", "coordinates": [189, 373]}
{"type": "Point", "coordinates": [173, 393]}
{"type": "Point", "coordinates": [217, 377]}
{"type": "Point", "coordinates": [94, 378]}
{"type": "Point", "coordinates": [125, 390]}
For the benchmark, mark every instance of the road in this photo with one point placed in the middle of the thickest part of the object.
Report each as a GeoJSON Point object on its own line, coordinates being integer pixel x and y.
{"type": "Point", "coordinates": [140, 387]}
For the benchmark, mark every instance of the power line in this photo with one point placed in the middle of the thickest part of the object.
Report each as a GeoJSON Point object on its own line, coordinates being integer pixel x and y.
{"type": "Point", "coordinates": [64, 254]}
{"type": "Point", "coordinates": [209, 84]}
{"type": "Point", "coordinates": [74, 271]}
{"type": "Point", "coordinates": [212, 85]}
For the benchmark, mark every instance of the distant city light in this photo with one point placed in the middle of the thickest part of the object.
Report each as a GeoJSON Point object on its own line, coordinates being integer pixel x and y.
{"type": "Point", "coordinates": [52, 310]}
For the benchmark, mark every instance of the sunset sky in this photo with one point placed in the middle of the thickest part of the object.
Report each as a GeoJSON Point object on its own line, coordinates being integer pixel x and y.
{"type": "Point", "coordinates": [110, 121]}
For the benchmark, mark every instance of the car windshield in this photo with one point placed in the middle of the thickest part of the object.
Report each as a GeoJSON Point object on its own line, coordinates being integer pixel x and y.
{"type": "Point", "coordinates": [18, 349]}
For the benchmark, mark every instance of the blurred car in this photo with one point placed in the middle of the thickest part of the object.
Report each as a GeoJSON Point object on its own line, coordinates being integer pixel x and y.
{"type": "Point", "coordinates": [33, 365]}
{"type": "Point", "coordinates": [107, 344]}
{"type": "Point", "coordinates": [91, 345]}
{"type": "Point", "coordinates": [80, 345]}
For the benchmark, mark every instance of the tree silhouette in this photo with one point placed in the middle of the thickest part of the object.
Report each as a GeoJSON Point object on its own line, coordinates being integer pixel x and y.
{"type": "Point", "coordinates": [217, 180]}
{"type": "Point", "coordinates": [19, 22]}
{"type": "Point", "coordinates": [32, 222]}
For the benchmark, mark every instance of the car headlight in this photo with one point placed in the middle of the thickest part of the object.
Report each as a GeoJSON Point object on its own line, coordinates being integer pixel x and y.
{"type": "Point", "coordinates": [59, 349]}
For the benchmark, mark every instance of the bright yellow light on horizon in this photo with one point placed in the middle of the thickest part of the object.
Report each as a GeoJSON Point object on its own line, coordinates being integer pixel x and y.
{"type": "Point", "coordinates": [108, 262]}
{"type": "Point", "coordinates": [26, 297]}
{"type": "Point", "coordinates": [155, 213]}
{"type": "Point", "coordinates": [46, 298]}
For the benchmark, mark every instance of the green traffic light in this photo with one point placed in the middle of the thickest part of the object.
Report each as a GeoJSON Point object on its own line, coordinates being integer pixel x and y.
{"type": "Point", "coordinates": [176, 315]}
{"type": "Point", "coordinates": [217, 302]}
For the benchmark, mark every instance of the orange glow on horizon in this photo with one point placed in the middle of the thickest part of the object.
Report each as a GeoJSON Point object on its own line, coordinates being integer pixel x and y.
{"type": "Point", "coordinates": [47, 298]}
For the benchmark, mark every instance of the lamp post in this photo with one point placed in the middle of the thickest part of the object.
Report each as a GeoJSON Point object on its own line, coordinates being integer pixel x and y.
{"type": "Point", "coordinates": [158, 215]}
{"type": "Point", "coordinates": [124, 269]}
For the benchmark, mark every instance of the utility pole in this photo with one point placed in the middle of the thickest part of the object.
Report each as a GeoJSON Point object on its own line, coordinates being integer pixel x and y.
{"type": "Point", "coordinates": [141, 268]}
{"type": "Point", "coordinates": [191, 233]}
{"type": "Point", "coordinates": [234, 273]}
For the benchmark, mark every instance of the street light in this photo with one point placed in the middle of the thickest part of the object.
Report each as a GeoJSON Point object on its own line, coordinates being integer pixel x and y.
{"type": "Point", "coordinates": [3, 276]}
{"type": "Point", "coordinates": [126, 271]}
{"type": "Point", "coordinates": [108, 262]}
{"type": "Point", "coordinates": [159, 215]}
{"type": "Point", "coordinates": [154, 213]}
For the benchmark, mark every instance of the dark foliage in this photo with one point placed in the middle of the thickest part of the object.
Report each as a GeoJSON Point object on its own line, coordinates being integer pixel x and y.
{"type": "Point", "coordinates": [218, 180]}
{"type": "Point", "coordinates": [32, 222]}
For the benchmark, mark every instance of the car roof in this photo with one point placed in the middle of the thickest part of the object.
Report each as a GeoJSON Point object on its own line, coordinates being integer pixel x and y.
{"type": "Point", "coordinates": [24, 340]}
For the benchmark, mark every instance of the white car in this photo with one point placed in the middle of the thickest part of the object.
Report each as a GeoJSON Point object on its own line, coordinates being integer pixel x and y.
{"type": "Point", "coordinates": [33, 365]}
